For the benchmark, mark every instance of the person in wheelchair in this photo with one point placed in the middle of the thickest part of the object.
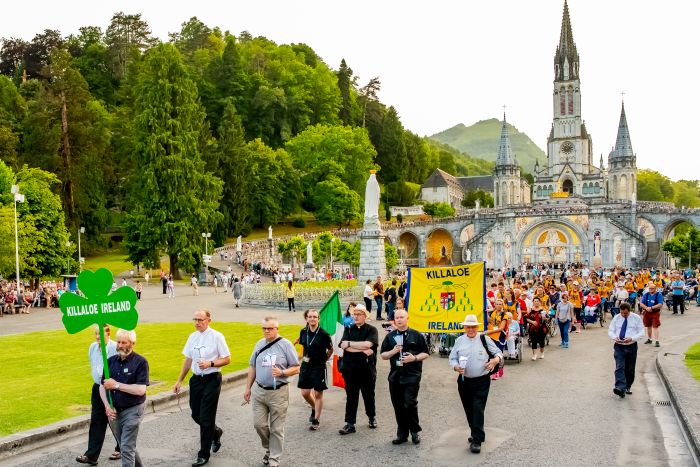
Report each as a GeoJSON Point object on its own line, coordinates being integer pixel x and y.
{"type": "Point", "coordinates": [592, 305]}
{"type": "Point", "coordinates": [513, 336]}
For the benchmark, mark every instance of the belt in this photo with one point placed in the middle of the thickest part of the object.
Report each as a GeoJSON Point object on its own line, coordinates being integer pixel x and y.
{"type": "Point", "coordinates": [205, 375]}
{"type": "Point", "coordinates": [271, 388]}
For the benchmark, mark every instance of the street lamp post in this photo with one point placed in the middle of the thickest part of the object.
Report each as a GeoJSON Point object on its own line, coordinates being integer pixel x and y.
{"type": "Point", "coordinates": [332, 271]}
{"type": "Point", "coordinates": [18, 197]}
{"type": "Point", "coordinates": [207, 236]}
{"type": "Point", "coordinates": [269, 243]}
{"type": "Point", "coordinates": [690, 251]}
{"type": "Point", "coordinates": [68, 260]}
{"type": "Point", "coordinates": [80, 258]}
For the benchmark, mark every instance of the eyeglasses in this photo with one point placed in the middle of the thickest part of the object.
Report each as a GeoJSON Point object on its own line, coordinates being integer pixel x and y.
{"type": "Point", "coordinates": [358, 314]}
{"type": "Point", "coordinates": [199, 320]}
{"type": "Point", "coordinates": [267, 329]}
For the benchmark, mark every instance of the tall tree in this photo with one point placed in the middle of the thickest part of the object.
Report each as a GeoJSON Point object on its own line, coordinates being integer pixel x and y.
{"type": "Point", "coordinates": [391, 151]}
{"type": "Point", "coordinates": [369, 94]}
{"type": "Point", "coordinates": [127, 36]}
{"type": "Point", "coordinates": [345, 83]}
{"type": "Point", "coordinates": [173, 198]}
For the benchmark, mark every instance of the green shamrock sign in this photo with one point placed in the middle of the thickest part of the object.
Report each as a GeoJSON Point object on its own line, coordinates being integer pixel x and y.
{"type": "Point", "coordinates": [98, 306]}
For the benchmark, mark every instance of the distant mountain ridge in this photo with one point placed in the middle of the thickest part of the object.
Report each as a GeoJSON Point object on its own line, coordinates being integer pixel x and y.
{"type": "Point", "coordinates": [481, 140]}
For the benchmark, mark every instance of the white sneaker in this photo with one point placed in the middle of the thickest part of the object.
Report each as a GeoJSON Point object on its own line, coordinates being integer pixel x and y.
{"type": "Point", "coordinates": [541, 356]}
{"type": "Point", "coordinates": [534, 357]}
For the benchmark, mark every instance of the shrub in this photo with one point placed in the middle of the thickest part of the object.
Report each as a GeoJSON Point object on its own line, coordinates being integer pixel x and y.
{"type": "Point", "coordinates": [399, 218]}
{"type": "Point", "coordinates": [299, 222]}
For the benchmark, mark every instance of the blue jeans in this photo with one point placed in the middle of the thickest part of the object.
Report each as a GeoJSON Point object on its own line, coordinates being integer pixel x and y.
{"type": "Point", "coordinates": [564, 331]}
{"type": "Point", "coordinates": [379, 301]}
{"type": "Point", "coordinates": [390, 310]}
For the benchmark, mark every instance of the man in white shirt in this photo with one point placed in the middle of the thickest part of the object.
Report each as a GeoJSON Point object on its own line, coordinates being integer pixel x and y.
{"type": "Point", "coordinates": [474, 357]}
{"type": "Point", "coordinates": [625, 330]}
{"type": "Point", "coordinates": [205, 353]}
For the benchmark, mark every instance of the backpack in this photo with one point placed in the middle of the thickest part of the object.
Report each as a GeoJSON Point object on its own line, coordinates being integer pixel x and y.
{"type": "Point", "coordinates": [486, 347]}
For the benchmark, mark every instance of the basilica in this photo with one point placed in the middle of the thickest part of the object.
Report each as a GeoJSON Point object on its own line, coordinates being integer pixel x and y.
{"type": "Point", "coordinates": [574, 211]}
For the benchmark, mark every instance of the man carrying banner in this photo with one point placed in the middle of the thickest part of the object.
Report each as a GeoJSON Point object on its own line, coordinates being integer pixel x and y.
{"type": "Point", "coordinates": [129, 372]}
{"type": "Point", "coordinates": [318, 347]}
{"type": "Point", "coordinates": [98, 418]}
{"type": "Point", "coordinates": [359, 344]}
{"type": "Point", "coordinates": [405, 349]}
{"type": "Point", "coordinates": [205, 353]}
{"type": "Point", "coordinates": [474, 356]}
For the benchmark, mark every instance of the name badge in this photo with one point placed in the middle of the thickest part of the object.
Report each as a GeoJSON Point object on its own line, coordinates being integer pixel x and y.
{"type": "Point", "coordinates": [306, 359]}
{"type": "Point", "coordinates": [126, 370]}
{"type": "Point", "coordinates": [266, 361]}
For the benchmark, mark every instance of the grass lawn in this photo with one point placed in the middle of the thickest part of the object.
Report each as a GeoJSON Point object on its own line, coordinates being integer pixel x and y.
{"type": "Point", "coordinates": [117, 262]}
{"type": "Point", "coordinates": [46, 375]}
{"type": "Point", "coordinates": [692, 359]}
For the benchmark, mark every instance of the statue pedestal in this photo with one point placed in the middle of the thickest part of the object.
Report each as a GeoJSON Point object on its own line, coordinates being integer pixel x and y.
{"type": "Point", "coordinates": [309, 269]}
{"type": "Point", "coordinates": [372, 258]}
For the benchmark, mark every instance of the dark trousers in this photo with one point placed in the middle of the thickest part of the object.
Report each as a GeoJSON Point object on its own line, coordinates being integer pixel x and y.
{"type": "Point", "coordinates": [354, 384]}
{"type": "Point", "coordinates": [379, 300]}
{"type": "Point", "coordinates": [98, 425]}
{"type": "Point", "coordinates": [368, 304]}
{"type": "Point", "coordinates": [625, 361]}
{"type": "Point", "coordinates": [204, 399]}
{"type": "Point", "coordinates": [678, 300]}
{"type": "Point", "coordinates": [404, 398]}
{"type": "Point", "coordinates": [474, 392]}
{"type": "Point", "coordinates": [165, 286]}
{"type": "Point", "coordinates": [290, 303]}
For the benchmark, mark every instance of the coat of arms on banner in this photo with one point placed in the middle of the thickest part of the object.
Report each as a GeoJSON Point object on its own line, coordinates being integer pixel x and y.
{"type": "Point", "coordinates": [447, 300]}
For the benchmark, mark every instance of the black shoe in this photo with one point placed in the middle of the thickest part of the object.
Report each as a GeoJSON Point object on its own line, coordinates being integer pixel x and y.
{"type": "Point", "coordinates": [199, 461]}
{"type": "Point", "coordinates": [314, 425]}
{"type": "Point", "coordinates": [475, 447]}
{"type": "Point", "coordinates": [216, 443]}
{"type": "Point", "coordinates": [399, 440]}
{"type": "Point", "coordinates": [373, 422]}
{"type": "Point", "coordinates": [312, 417]}
{"type": "Point", "coordinates": [347, 429]}
{"type": "Point", "coordinates": [619, 392]}
{"type": "Point", "coordinates": [628, 391]}
{"type": "Point", "coordinates": [85, 460]}
{"type": "Point", "coordinates": [415, 437]}
{"type": "Point", "coordinates": [470, 439]}
{"type": "Point", "coordinates": [648, 341]}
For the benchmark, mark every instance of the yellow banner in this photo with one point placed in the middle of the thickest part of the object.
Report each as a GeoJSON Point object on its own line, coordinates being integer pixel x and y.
{"type": "Point", "coordinates": [440, 298]}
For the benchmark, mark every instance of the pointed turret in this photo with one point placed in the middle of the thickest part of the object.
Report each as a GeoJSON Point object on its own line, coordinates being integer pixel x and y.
{"type": "Point", "coordinates": [623, 144]}
{"type": "Point", "coordinates": [566, 61]}
{"type": "Point", "coordinates": [505, 151]}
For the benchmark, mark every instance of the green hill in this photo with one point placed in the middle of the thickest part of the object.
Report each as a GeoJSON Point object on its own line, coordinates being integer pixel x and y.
{"type": "Point", "coordinates": [465, 165]}
{"type": "Point", "coordinates": [481, 140]}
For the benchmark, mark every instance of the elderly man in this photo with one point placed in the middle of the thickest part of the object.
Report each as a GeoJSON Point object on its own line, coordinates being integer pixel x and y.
{"type": "Point", "coordinates": [651, 304]}
{"type": "Point", "coordinates": [98, 418]}
{"type": "Point", "coordinates": [205, 353]}
{"type": "Point", "coordinates": [474, 356]}
{"type": "Point", "coordinates": [273, 361]}
{"type": "Point", "coordinates": [359, 344]}
{"type": "Point", "coordinates": [625, 330]}
{"type": "Point", "coordinates": [405, 349]}
{"type": "Point", "coordinates": [129, 378]}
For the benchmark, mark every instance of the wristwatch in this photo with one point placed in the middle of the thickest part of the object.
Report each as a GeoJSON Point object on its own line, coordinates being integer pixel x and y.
{"type": "Point", "coordinates": [211, 362]}
{"type": "Point", "coordinates": [116, 388]}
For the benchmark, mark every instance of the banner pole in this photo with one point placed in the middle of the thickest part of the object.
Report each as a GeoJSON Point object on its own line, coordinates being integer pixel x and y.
{"type": "Point", "coordinates": [100, 324]}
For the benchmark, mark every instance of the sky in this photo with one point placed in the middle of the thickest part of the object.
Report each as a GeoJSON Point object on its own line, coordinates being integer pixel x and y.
{"type": "Point", "coordinates": [446, 62]}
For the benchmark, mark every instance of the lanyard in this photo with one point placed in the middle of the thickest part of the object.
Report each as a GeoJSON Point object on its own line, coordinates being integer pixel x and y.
{"type": "Point", "coordinates": [308, 330]}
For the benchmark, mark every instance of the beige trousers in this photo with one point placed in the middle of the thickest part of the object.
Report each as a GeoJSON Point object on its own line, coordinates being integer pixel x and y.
{"type": "Point", "coordinates": [269, 416]}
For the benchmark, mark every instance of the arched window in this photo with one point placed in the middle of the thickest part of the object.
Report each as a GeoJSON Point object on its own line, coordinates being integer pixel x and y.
{"type": "Point", "coordinates": [568, 186]}
{"type": "Point", "coordinates": [596, 188]}
{"type": "Point", "coordinates": [585, 188]}
{"type": "Point", "coordinates": [622, 187]}
{"type": "Point", "coordinates": [512, 193]}
{"type": "Point", "coordinates": [562, 101]}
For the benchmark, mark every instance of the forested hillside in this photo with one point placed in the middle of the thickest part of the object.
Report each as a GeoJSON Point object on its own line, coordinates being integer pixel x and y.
{"type": "Point", "coordinates": [209, 130]}
{"type": "Point", "coordinates": [481, 140]}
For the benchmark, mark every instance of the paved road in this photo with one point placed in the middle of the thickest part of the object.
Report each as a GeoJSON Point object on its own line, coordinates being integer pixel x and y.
{"type": "Point", "coordinates": [550, 412]}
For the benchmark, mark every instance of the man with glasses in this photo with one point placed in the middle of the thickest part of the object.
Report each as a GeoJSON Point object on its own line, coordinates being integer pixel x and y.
{"type": "Point", "coordinates": [318, 347]}
{"type": "Point", "coordinates": [273, 361]}
{"type": "Point", "coordinates": [205, 353]}
{"type": "Point", "coordinates": [359, 344]}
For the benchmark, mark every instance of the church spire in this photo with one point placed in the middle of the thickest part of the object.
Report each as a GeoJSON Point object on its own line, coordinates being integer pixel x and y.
{"type": "Point", "coordinates": [623, 144]}
{"type": "Point", "coordinates": [505, 151]}
{"type": "Point", "coordinates": [566, 61]}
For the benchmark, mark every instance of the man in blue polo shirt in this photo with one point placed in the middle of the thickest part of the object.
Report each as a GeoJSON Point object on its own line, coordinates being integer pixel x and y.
{"type": "Point", "coordinates": [677, 290]}
{"type": "Point", "coordinates": [127, 385]}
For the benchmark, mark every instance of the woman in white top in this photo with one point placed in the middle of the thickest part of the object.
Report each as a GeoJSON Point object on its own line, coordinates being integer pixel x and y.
{"type": "Point", "coordinates": [368, 295]}
{"type": "Point", "coordinates": [565, 317]}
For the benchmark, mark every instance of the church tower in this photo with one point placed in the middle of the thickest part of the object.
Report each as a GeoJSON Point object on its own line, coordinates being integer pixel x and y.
{"type": "Point", "coordinates": [508, 187]}
{"type": "Point", "coordinates": [622, 164]}
{"type": "Point", "coordinates": [569, 143]}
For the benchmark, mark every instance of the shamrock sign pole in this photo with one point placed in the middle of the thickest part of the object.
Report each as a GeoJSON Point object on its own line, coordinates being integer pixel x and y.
{"type": "Point", "coordinates": [99, 307]}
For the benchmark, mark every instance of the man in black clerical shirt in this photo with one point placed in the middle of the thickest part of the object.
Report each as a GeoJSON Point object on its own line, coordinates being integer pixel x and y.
{"type": "Point", "coordinates": [318, 347]}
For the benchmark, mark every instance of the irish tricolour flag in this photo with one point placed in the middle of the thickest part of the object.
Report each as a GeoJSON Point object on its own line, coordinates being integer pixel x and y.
{"type": "Point", "coordinates": [331, 320]}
